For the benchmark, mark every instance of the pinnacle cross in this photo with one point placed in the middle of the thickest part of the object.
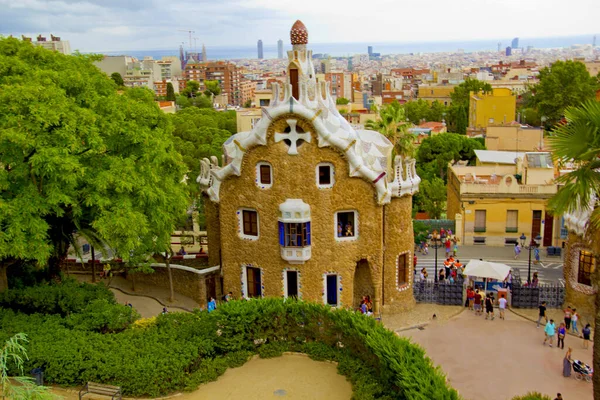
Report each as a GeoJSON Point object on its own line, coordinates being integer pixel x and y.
{"type": "Point", "coordinates": [293, 136]}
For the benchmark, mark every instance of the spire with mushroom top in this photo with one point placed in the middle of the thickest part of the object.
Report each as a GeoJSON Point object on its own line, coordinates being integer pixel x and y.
{"type": "Point", "coordinates": [299, 34]}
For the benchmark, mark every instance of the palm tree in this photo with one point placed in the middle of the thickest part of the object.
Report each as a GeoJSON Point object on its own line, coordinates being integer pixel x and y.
{"type": "Point", "coordinates": [578, 141]}
{"type": "Point", "coordinates": [392, 124]}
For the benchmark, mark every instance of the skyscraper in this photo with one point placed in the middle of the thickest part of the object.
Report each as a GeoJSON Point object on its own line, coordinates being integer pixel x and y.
{"type": "Point", "coordinates": [508, 51]}
{"type": "Point", "coordinates": [499, 47]}
{"type": "Point", "coordinates": [280, 49]}
{"type": "Point", "coordinates": [260, 50]}
{"type": "Point", "coordinates": [370, 50]}
{"type": "Point", "coordinates": [204, 57]}
{"type": "Point", "coordinates": [515, 43]}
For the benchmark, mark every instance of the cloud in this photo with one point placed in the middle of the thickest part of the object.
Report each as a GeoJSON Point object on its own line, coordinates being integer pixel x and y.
{"type": "Point", "coordinates": [102, 25]}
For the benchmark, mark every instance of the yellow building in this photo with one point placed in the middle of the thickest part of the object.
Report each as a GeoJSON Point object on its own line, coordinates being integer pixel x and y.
{"type": "Point", "coordinates": [440, 93]}
{"type": "Point", "coordinates": [514, 137]}
{"type": "Point", "coordinates": [498, 107]}
{"type": "Point", "coordinates": [305, 206]}
{"type": "Point", "coordinates": [501, 198]}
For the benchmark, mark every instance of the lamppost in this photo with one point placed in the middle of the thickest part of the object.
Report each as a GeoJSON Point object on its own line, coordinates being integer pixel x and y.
{"type": "Point", "coordinates": [532, 245]}
{"type": "Point", "coordinates": [434, 238]}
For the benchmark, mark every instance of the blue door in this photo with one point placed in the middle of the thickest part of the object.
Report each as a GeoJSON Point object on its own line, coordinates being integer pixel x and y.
{"type": "Point", "coordinates": [332, 290]}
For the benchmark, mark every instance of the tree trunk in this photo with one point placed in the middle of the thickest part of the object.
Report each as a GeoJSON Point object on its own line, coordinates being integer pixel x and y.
{"type": "Point", "coordinates": [3, 277]}
{"type": "Point", "coordinates": [171, 291]}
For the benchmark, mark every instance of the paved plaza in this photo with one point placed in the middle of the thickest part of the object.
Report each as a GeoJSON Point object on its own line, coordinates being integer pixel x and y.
{"type": "Point", "coordinates": [499, 359]}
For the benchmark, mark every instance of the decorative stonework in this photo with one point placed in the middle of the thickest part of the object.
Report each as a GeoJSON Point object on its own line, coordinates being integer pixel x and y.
{"type": "Point", "coordinates": [573, 269]}
{"type": "Point", "coordinates": [299, 33]}
{"type": "Point", "coordinates": [293, 136]}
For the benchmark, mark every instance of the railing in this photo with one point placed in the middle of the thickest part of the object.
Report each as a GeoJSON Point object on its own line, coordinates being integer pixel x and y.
{"type": "Point", "coordinates": [515, 188]}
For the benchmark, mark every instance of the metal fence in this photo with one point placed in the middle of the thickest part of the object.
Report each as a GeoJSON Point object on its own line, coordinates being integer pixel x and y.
{"type": "Point", "coordinates": [445, 293]}
{"type": "Point", "coordinates": [528, 297]}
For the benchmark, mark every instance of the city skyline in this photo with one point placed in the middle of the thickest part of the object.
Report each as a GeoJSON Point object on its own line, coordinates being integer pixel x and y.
{"type": "Point", "coordinates": [110, 25]}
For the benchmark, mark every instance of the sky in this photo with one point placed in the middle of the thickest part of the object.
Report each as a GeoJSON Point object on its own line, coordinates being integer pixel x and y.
{"type": "Point", "coordinates": [114, 25]}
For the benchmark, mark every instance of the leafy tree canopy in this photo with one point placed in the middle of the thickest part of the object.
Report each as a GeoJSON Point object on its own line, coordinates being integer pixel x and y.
{"type": "Point", "coordinates": [434, 153]}
{"type": "Point", "coordinates": [462, 92]}
{"type": "Point", "coordinates": [79, 158]}
{"type": "Point", "coordinates": [117, 78]}
{"type": "Point", "coordinates": [213, 88]}
{"type": "Point", "coordinates": [563, 84]}
{"type": "Point", "coordinates": [392, 124]}
{"type": "Point", "coordinates": [342, 101]}
{"type": "Point", "coordinates": [433, 197]}
{"type": "Point", "coordinates": [170, 92]}
{"type": "Point", "coordinates": [419, 110]}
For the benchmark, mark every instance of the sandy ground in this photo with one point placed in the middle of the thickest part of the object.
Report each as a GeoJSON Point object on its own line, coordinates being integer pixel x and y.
{"type": "Point", "coordinates": [421, 314]}
{"type": "Point", "coordinates": [499, 359]}
{"type": "Point", "coordinates": [289, 377]}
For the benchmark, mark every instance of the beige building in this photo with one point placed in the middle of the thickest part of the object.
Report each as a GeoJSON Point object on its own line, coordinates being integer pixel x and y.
{"type": "Point", "coordinates": [504, 196]}
{"type": "Point", "coordinates": [440, 93]}
{"type": "Point", "coordinates": [306, 206]}
{"type": "Point", "coordinates": [54, 44]}
{"type": "Point", "coordinates": [514, 137]}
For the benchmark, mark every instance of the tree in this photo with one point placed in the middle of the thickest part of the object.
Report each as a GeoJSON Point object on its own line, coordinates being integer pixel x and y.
{"type": "Point", "coordinates": [578, 141]}
{"type": "Point", "coordinates": [18, 387]}
{"type": "Point", "coordinates": [434, 197]}
{"type": "Point", "coordinates": [248, 103]}
{"type": "Point", "coordinates": [170, 92]}
{"type": "Point", "coordinates": [117, 78]}
{"type": "Point", "coordinates": [417, 110]}
{"type": "Point", "coordinates": [213, 88]}
{"type": "Point", "coordinates": [437, 112]}
{"type": "Point", "coordinates": [79, 157]}
{"type": "Point", "coordinates": [392, 124]}
{"type": "Point", "coordinates": [563, 84]}
{"type": "Point", "coordinates": [190, 96]}
{"type": "Point", "coordinates": [458, 115]}
{"type": "Point", "coordinates": [341, 101]}
{"type": "Point", "coordinates": [434, 154]}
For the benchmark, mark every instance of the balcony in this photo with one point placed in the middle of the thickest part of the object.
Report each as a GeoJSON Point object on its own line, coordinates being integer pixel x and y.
{"type": "Point", "coordinates": [489, 188]}
{"type": "Point", "coordinates": [296, 255]}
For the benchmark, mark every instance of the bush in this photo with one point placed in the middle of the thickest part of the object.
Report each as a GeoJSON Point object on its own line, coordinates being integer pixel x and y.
{"type": "Point", "coordinates": [532, 396]}
{"type": "Point", "coordinates": [180, 351]}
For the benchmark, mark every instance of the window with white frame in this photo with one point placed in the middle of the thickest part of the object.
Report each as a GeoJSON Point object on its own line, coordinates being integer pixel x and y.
{"type": "Point", "coordinates": [346, 225]}
{"type": "Point", "coordinates": [248, 223]}
{"type": "Point", "coordinates": [325, 175]}
{"type": "Point", "coordinates": [264, 175]}
{"type": "Point", "coordinates": [587, 265]}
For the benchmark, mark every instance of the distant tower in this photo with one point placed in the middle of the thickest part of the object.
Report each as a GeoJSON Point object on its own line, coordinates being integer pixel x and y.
{"type": "Point", "coordinates": [280, 49]}
{"type": "Point", "coordinates": [260, 50]}
{"type": "Point", "coordinates": [350, 66]}
{"type": "Point", "coordinates": [181, 56]}
{"type": "Point", "coordinates": [508, 51]}
{"type": "Point", "coordinates": [370, 51]}
{"type": "Point", "coordinates": [204, 57]}
{"type": "Point", "coordinates": [594, 41]}
{"type": "Point", "coordinates": [515, 43]}
{"type": "Point", "coordinates": [499, 47]}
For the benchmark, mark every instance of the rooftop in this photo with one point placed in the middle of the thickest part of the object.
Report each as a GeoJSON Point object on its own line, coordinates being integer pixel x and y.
{"type": "Point", "coordinates": [498, 157]}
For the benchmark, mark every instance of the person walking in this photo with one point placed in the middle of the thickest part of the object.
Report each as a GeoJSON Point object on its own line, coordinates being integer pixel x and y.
{"type": "Point", "coordinates": [517, 250]}
{"type": "Point", "coordinates": [574, 320]}
{"type": "Point", "coordinates": [542, 313]}
{"type": "Point", "coordinates": [568, 314]}
{"type": "Point", "coordinates": [586, 333]}
{"type": "Point", "coordinates": [502, 305]}
{"type": "Point", "coordinates": [448, 247]}
{"type": "Point", "coordinates": [470, 297]}
{"type": "Point", "coordinates": [489, 306]}
{"type": "Point", "coordinates": [477, 302]}
{"type": "Point", "coordinates": [455, 246]}
{"type": "Point", "coordinates": [562, 332]}
{"type": "Point", "coordinates": [567, 363]}
{"type": "Point", "coordinates": [536, 254]}
{"type": "Point", "coordinates": [550, 331]}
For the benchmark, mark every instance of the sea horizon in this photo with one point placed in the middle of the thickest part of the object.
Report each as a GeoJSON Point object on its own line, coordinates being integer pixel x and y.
{"type": "Point", "coordinates": [350, 49]}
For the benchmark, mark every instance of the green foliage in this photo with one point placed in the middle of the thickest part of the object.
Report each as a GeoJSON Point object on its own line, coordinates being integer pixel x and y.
{"type": "Point", "coordinates": [392, 124]}
{"type": "Point", "coordinates": [191, 97]}
{"type": "Point", "coordinates": [532, 396]}
{"type": "Point", "coordinates": [63, 299]}
{"type": "Point", "coordinates": [420, 230]}
{"type": "Point", "coordinates": [578, 141]}
{"type": "Point", "coordinates": [200, 133]}
{"type": "Point", "coordinates": [434, 197]}
{"type": "Point", "coordinates": [182, 351]}
{"type": "Point", "coordinates": [213, 88]}
{"type": "Point", "coordinates": [248, 103]}
{"type": "Point", "coordinates": [170, 92]}
{"type": "Point", "coordinates": [458, 115]}
{"type": "Point", "coordinates": [77, 156]}
{"type": "Point", "coordinates": [436, 152]}
{"type": "Point", "coordinates": [342, 101]}
{"type": "Point", "coordinates": [563, 84]}
{"type": "Point", "coordinates": [103, 316]}
{"type": "Point", "coordinates": [117, 78]}
{"type": "Point", "coordinates": [419, 110]}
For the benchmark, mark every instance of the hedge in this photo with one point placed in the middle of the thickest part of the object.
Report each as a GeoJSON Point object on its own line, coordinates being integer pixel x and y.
{"type": "Point", "coordinates": [181, 351]}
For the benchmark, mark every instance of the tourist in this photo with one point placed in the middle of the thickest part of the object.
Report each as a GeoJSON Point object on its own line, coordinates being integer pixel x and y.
{"type": "Point", "coordinates": [106, 270]}
{"type": "Point", "coordinates": [517, 250]}
{"type": "Point", "coordinates": [415, 264]}
{"type": "Point", "coordinates": [228, 297]}
{"type": "Point", "coordinates": [164, 311]}
{"type": "Point", "coordinates": [558, 396]}
{"type": "Point", "coordinates": [477, 302]}
{"type": "Point", "coordinates": [182, 251]}
{"type": "Point", "coordinates": [447, 266]}
{"type": "Point", "coordinates": [542, 313]}
{"type": "Point", "coordinates": [426, 248]}
{"type": "Point", "coordinates": [536, 254]}
{"type": "Point", "coordinates": [574, 320]}
{"type": "Point", "coordinates": [441, 275]}
{"type": "Point", "coordinates": [201, 250]}
{"type": "Point", "coordinates": [339, 229]}
{"type": "Point", "coordinates": [568, 313]}
{"type": "Point", "coordinates": [586, 333]}
{"type": "Point", "coordinates": [535, 281]}
{"type": "Point", "coordinates": [502, 305]}
{"type": "Point", "coordinates": [349, 230]}
{"type": "Point", "coordinates": [423, 274]}
{"type": "Point", "coordinates": [455, 246]}
{"type": "Point", "coordinates": [508, 281]}
{"type": "Point", "coordinates": [448, 247]}
{"type": "Point", "coordinates": [562, 331]}
{"type": "Point", "coordinates": [470, 297]}
{"type": "Point", "coordinates": [567, 364]}
{"type": "Point", "coordinates": [369, 305]}
{"type": "Point", "coordinates": [363, 306]}
{"type": "Point", "coordinates": [212, 305]}
{"type": "Point", "coordinates": [489, 306]}
{"type": "Point", "coordinates": [549, 330]}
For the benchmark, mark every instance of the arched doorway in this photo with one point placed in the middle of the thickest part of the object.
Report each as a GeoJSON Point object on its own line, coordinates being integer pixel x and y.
{"type": "Point", "coordinates": [363, 283]}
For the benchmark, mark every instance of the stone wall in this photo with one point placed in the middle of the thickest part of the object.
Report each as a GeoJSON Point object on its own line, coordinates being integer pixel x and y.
{"type": "Point", "coordinates": [295, 177]}
{"type": "Point", "coordinates": [577, 295]}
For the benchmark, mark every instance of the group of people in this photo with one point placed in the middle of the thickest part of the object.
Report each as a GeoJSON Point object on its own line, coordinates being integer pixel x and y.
{"type": "Point", "coordinates": [450, 244]}
{"type": "Point", "coordinates": [476, 302]}
{"type": "Point", "coordinates": [453, 270]}
{"type": "Point", "coordinates": [366, 306]}
{"type": "Point", "coordinates": [571, 317]}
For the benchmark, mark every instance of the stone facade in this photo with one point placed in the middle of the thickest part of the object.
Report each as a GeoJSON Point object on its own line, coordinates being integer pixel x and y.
{"type": "Point", "coordinates": [328, 266]}
{"type": "Point", "coordinates": [580, 296]}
